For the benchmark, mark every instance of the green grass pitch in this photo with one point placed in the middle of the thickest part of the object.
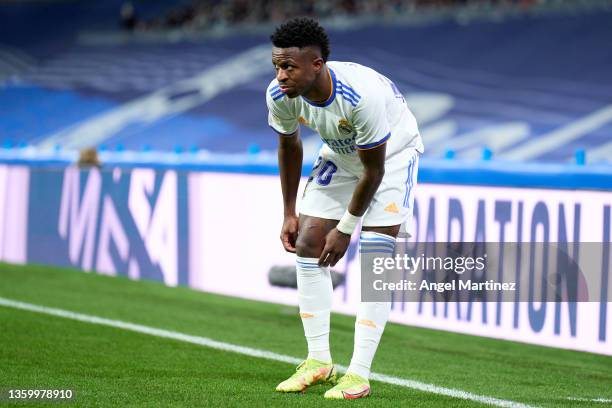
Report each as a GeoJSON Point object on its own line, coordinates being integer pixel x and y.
{"type": "Point", "coordinates": [107, 366]}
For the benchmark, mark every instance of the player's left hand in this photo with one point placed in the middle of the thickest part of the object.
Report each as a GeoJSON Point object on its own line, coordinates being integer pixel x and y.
{"type": "Point", "coordinates": [336, 244]}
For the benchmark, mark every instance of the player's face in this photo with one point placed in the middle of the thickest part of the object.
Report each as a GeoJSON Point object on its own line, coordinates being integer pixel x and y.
{"type": "Point", "coordinates": [296, 69]}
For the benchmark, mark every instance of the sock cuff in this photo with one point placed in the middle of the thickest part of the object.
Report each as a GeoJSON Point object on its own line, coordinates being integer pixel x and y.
{"type": "Point", "coordinates": [375, 243]}
{"type": "Point", "coordinates": [307, 263]}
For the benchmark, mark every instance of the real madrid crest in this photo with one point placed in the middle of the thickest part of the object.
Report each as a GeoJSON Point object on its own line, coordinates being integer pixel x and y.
{"type": "Point", "coordinates": [345, 127]}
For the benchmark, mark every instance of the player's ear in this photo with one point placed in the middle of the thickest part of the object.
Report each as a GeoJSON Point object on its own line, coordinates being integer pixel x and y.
{"type": "Point", "coordinates": [317, 64]}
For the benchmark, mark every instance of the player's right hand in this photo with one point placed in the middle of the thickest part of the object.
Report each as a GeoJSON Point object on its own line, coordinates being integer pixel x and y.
{"type": "Point", "coordinates": [289, 232]}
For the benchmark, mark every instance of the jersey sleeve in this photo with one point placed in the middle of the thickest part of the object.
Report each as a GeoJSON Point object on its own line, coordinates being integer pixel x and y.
{"type": "Point", "coordinates": [370, 122]}
{"type": "Point", "coordinates": [280, 118]}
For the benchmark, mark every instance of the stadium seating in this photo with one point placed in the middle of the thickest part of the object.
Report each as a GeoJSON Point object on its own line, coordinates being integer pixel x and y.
{"type": "Point", "coordinates": [530, 89]}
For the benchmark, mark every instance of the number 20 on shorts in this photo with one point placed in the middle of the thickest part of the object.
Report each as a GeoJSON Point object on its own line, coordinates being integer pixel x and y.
{"type": "Point", "coordinates": [326, 171]}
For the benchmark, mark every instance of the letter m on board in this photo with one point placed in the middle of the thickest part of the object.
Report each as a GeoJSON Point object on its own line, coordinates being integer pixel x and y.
{"type": "Point", "coordinates": [78, 215]}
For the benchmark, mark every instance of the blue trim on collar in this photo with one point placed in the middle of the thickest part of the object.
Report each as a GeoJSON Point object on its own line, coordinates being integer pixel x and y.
{"type": "Point", "coordinates": [333, 95]}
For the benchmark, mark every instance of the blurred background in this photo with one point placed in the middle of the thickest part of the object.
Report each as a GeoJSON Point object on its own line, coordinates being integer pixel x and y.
{"type": "Point", "coordinates": [508, 80]}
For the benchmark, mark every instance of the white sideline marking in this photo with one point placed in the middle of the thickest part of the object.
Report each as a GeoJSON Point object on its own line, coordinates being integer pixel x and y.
{"type": "Point", "coordinates": [248, 351]}
{"type": "Point", "coordinates": [562, 136]}
{"type": "Point", "coordinates": [590, 399]}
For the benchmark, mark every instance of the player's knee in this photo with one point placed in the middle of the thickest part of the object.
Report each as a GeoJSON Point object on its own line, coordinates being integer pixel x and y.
{"type": "Point", "coordinates": [308, 246]}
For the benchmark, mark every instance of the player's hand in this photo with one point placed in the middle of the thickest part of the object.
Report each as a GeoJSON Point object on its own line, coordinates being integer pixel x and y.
{"type": "Point", "coordinates": [336, 244]}
{"type": "Point", "coordinates": [289, 232]}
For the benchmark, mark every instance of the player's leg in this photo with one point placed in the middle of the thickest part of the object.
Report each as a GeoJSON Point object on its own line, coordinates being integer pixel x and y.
{"type": "Point", "coordinates": [371, 316]}
{"type": "Point", "coordinates": [390, 208]}
{"type": "Point", "coordinates": [315, 288]}
{"type": "Point", "coordinates": [324, 201]}
{"type": "Point", "coordinates": [315, 292]}
{"type": "Point", "coordinates": [370, 320]}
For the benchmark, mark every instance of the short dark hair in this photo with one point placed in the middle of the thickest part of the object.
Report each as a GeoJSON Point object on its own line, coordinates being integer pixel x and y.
{"type": "Point", "coordinates": [301, 32]}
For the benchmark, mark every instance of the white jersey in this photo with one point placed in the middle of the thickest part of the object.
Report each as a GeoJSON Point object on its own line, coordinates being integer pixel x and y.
{"type": "Point", "coordinates": [365, 110]}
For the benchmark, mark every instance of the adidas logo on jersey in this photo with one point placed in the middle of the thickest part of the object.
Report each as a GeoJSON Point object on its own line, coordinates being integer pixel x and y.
{"type": "Point", "coordinates": [392, 208]}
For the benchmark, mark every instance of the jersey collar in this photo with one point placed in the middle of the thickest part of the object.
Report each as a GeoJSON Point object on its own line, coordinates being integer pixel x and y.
{"type": "Point", "coordinates": [332, 77]}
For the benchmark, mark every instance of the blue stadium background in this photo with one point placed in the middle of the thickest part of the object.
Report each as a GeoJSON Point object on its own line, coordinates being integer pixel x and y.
{"type": "Point", "coordinates": [528, 88]}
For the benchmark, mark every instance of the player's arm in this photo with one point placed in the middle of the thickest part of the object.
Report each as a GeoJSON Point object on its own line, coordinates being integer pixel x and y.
{"type": "Point", "coordinates": [283, 120]}
{"type": "Point", "coordinates": [373, 161]}
{"type": "Point", "coordinates": [290, 155]}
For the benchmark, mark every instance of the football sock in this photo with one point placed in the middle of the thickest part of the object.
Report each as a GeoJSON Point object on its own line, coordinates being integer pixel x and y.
{"type": "Point", "coordinates": [371, 316]}
{"type": "Point", "coordinates": [315, 299]}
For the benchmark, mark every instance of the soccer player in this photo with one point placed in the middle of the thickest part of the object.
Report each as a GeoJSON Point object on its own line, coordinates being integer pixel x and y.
{"type": "Point", "coordinates": [365, 173]}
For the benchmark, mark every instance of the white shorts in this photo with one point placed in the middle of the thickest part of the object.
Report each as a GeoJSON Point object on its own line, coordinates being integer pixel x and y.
{"type": "Point", "coordinates": [332, 182]}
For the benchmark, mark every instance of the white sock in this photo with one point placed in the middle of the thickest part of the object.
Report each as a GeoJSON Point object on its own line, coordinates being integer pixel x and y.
{"type": "Point", "coordinates": [315, 299]}
{"type": "Point", "coordinates": [371, 318]}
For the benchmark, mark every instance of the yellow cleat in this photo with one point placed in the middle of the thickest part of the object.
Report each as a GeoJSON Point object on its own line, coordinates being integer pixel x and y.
{"type": "Point", "coordinates": [309, 372]}
{"type": "Point", "coordinates": [350, 386]}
